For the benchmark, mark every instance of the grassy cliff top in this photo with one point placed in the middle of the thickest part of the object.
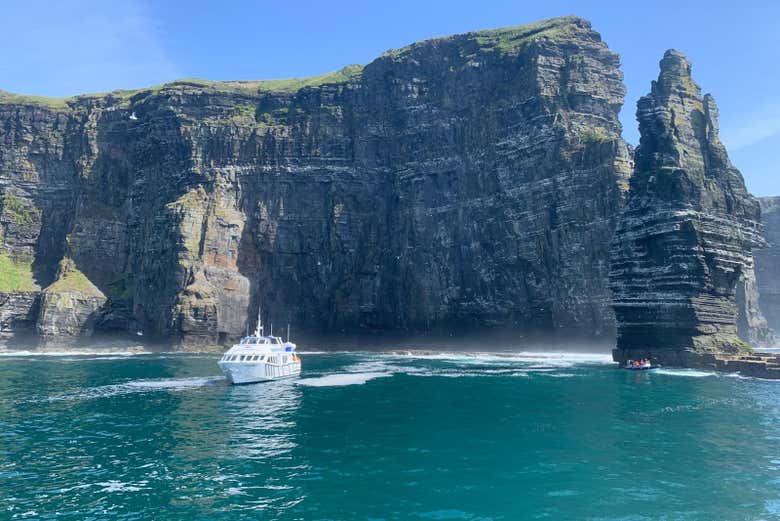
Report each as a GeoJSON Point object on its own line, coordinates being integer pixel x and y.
{"type": "Point", "coordinates": [343, 75]}
{"type": "Point", "coordinates": [9, 98]}
{"type": "Point", "coordinates": [510, 39]}
{"type": "Point", "coordinates": [506, 40]}
{"type": "Point", "coordinates": [251, 87]}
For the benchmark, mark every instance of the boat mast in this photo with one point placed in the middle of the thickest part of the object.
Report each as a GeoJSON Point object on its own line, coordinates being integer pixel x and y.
{"type": "Point", "coordinates": [288, 331]}
{"type": "Point", "coordinates": [259, 330]}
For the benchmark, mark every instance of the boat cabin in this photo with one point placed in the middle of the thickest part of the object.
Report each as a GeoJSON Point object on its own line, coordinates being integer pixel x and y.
{"type": "Point", "coordinates": [262, 340]}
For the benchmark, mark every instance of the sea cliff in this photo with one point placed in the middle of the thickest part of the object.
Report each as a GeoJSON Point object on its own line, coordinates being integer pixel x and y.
{"type": "Point", "coordinates": [470, 181]}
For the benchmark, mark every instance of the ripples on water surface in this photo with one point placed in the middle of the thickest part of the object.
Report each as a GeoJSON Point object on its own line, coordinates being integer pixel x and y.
{"type": "Point", "coordinates": [368, 436]}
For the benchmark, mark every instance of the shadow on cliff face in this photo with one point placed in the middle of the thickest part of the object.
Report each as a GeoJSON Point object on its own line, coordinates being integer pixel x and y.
{"type": "Point", "coordinates": [473, 341]}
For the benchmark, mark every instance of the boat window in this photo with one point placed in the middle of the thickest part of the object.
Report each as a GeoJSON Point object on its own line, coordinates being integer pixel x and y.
{"type": "Point", "coordinates": [241, 358]}
{"type": "Point", "coordinates": [254, 358]}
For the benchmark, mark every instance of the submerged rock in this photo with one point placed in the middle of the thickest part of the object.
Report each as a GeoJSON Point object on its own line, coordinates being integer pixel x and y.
{"type": "Point", "coordinates": [466, 181]}
{"type": "Point", "coordinates": [684, 241]}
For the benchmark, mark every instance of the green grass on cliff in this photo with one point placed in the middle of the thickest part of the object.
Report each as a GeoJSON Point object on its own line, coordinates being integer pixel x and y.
{"type": "Point", "coordinates": [123, 288]}
{"type": "Point", "coordinates": [19, 211]}
{"type": "Point", "coordinates": [343, 75]}
{"type": "Point", "coordinates": [594, 135]}
{"type": "Point", "coordinates": [348, 73]}
{"type": "Point", "coordinates": [73, 280]}
{"type": "Point", "coordinates": [510, 40]}
{"type": "Point", "coordinates": [9, 98]}
{"type": "Point", "coordinates": [15, 276]}
{"type": "Point", "coordinates": [742, 346]}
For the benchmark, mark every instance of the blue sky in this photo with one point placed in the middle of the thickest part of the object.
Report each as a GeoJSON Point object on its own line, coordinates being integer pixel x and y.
{"type": "Point", "coordinates": [76, 46]}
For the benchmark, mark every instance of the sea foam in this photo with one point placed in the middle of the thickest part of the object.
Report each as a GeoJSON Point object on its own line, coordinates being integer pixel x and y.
{"type": "Point", "coordinates": [138, 386]}
{"type": "Point", "coordinates": [685, 372]}
{"type": "Point", "coordinates": [341, 379]}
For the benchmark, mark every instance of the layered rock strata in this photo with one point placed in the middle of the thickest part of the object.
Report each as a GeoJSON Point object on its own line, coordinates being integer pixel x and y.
{"type": "Point", "coordinates": [684, 241]}
{"type": "Point", "coordinates": [768, 262]}
{"type": "Point", "coordinates": [467, 181]}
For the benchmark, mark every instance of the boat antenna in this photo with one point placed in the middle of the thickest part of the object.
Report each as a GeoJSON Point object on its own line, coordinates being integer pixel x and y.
{"type": "Point", "coordinates": [272, 329]}
{"type": "Point", "coordinates": [259, 330]}
{"type": "Point", "coordinates": [288, 331]}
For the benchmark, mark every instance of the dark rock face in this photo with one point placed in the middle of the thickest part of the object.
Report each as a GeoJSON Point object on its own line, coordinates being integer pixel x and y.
{"type": "Point", "coordinates": [752, 325]}
{"type": "Point", "coordinates": [768, 262]}
{"type": "Point", "coordinates": [683, 244]}
{"type": "Point", "coordinates": [465, 181]}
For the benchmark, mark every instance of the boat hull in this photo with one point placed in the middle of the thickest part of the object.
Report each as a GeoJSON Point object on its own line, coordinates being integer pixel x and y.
{"type": "Point", "coordinates": [246, 373]}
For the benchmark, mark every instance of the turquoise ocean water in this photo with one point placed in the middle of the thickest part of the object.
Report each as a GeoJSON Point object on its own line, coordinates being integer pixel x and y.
{"type": "Point", "coordinates": [371, 436]}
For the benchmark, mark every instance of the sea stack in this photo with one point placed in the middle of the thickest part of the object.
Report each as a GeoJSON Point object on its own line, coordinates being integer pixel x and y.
{"type": "Point", "coordinates": [684, 242]}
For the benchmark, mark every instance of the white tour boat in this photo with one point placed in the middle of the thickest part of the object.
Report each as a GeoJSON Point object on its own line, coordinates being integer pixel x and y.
{"type": "Point", "coordinates": [259, 358]}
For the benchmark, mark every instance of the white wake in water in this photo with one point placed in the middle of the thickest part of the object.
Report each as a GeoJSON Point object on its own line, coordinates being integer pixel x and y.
{"type": "Point", "coordinates": [547, 359]}
{"type": "Point", "coordinates": [455, 365]}
{"type": "Point", "coordinates": [74, 353]}
{"type": "Point", "coordinates": [139, 386]}
{"type": "Point", "coordinates": [341, 379]}
{"type": "Point", "coordinates": [692, 373]}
